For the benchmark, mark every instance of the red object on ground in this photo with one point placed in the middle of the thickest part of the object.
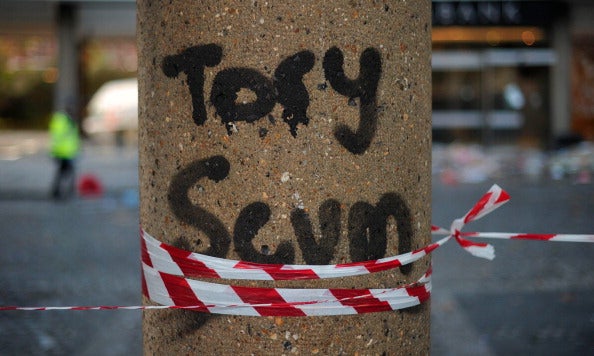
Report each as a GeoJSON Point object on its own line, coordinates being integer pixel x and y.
{"type": "Point", "coordinates": [89, 186]}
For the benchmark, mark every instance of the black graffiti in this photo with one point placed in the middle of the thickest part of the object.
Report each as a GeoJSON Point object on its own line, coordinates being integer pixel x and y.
{"type": "Point", "coordinates": [286, 88]}
{"type": "Point", "coordinates": [228, 83]}
{"type": "Point", "coordinates": [367, 228]}
{"type": "Point", "coordinates": [318, 253]}
{"type": "Point", "coordinates": [364, 88]}
{"type": "Point", "coordinates": [250, 220]}
{"type": "Point", "coordinates": [367, 224]}
{"type": "Point", "coordinates": [215, 168]}
{"type": "Point", "coordinates": [292, 93]}
{"type": "Point", "coordinates": [192, 62]}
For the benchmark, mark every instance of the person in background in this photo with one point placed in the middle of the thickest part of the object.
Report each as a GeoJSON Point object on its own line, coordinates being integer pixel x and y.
{"type": "Point", "coordinates": [64, 147]}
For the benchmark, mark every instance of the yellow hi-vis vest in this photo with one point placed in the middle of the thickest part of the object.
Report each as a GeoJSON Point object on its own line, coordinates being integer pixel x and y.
{"type": "Point", "coordinates": [64, 136]}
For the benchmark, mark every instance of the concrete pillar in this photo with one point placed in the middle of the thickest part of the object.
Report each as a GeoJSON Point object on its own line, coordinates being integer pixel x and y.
{"type": "Point", "coordinates": [560, 88]}
{"type": "Point", "coordinates": [67, 86]}
{"type": "Point", "coordinates": [287, 132]}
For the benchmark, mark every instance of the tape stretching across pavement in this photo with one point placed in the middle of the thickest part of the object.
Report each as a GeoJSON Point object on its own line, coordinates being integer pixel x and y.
{"type": "Point", "coordinates": [167, 274]}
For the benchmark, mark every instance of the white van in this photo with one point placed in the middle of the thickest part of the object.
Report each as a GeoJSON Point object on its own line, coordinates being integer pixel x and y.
{"type": "Point", "coordinates": [113, 109]}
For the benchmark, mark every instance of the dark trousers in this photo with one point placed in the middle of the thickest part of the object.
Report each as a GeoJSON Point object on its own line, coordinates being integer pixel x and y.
{"type": "Point", "coordinates": [63, 186]}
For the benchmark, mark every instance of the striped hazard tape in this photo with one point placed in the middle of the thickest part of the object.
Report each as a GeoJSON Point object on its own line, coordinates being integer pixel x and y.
{"type": "Point", "coordinates": [172, 290]}
{"type": "Point", "coordinates": [167, 272]}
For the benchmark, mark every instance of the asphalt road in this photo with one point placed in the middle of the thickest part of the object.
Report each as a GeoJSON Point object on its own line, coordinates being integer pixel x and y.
{"type": "Point", "coordinates": [534, 298]}
{"type": "Point", "coordinates": [76, 252]}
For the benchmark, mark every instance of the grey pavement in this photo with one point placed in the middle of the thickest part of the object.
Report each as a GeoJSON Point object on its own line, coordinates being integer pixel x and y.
{"type": "Point", "coordinates": [534, 298]}
{"type": "Point", "coordinates": [76, 252]}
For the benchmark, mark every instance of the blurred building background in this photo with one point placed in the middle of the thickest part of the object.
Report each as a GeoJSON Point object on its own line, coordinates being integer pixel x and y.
{"type": "Point", "coordinates": [513, 90]}
{"type": "Point", "coordinates": [513, 72]}
{"type": "Point", "coordinates": [505, 72]}
{"type": "Point", "coordinates": [52, 50]}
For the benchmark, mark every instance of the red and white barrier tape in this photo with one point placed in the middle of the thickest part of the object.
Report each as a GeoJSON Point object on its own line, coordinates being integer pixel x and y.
{"type": "Point", "coordinates": [493, 199]}
{"type": "Point", "coordinates": [168, 289]}
{"type": "Point", "coordinates": [168, 259]}
{"type": "Point", "coordinates": [165, 270]}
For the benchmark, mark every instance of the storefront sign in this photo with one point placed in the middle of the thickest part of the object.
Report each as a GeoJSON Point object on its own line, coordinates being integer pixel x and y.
{"type": "Point", "coordinates": [494, 13]}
